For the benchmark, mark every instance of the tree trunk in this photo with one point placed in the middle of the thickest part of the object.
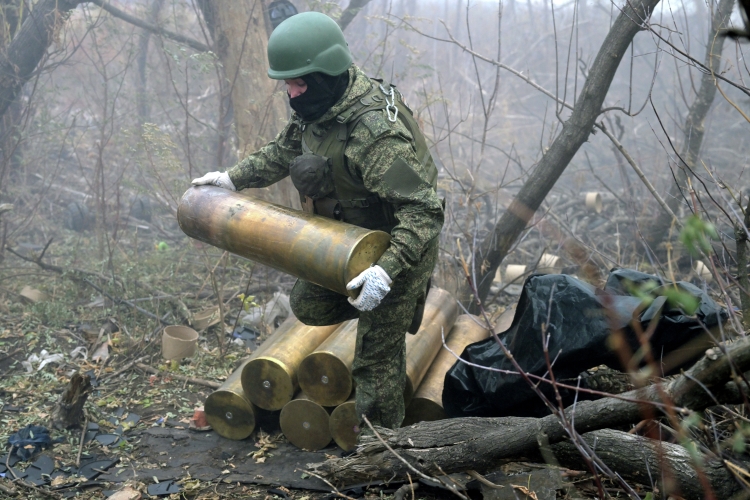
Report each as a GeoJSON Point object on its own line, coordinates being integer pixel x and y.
{"type": "Point", "coordinates": [575, 132]}
{"type": "Point", "coordinates": [642, 460]}
{"type": "Point", "coordinates": [141, 60]}
{"type": "Point", "coordinates": [69, 409]}
{"type": "Point", "coordinates": [740, 235]}
{"type": "Point", "coordinates": [239, 33]}
{"type": "Point", "coordinates": [28, 47]}
{"type": "Point", "coordinates": [694, 124]}
{"type": "Point", "coordinates": [351, 11]}
{"type": "Point", "coordinates": [9, 122]}
{"type": "Point", "coordinates": [461, 444]}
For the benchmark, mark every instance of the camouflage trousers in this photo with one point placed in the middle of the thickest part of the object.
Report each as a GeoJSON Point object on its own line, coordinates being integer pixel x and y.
{"type": "Point", "coordinates": [379, 368]}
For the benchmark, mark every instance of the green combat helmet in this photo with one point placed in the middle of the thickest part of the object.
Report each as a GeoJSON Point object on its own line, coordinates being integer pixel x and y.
{"type": "Point", "coordinates": [306, 43]}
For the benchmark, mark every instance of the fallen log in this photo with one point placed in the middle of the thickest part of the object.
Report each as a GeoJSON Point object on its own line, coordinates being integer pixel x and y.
{"type": "Point", "coordinates": [642, 460]}
{"type": "Point", "coordinates": [462, 444]}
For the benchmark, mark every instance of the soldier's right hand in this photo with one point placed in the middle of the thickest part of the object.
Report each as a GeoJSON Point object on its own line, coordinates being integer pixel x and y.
{"type": "Point", "coordinates": [220, 179]}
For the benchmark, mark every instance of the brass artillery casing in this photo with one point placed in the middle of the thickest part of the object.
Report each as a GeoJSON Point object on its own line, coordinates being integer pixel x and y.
{"type": "Point", "coordinates": [305, 423]}
{"type": "Point", "coordinates": [440, 313]}
{"type": "Point", "coordinates": [427, 403]}
{"type": "Point", "coordinates": [344, 425]}
{"type": "Point", "coordinates": [228, 410]}
{"type": "Point", "coordinates": [314, 248]}
{"type": "Point", "coordinates": [270, 380]}
{"type": "Point", "coordinates": [325, 375]}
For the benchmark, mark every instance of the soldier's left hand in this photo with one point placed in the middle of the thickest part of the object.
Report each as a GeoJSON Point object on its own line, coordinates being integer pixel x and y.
{"type": "Point", "coordinates": [220, 179]}
{"type": "Point", "coordinates": [375, 284]}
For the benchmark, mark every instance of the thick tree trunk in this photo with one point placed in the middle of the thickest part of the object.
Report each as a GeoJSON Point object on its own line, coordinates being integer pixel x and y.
{"type": "Point", "coordinates": [462, 444]}
{"type": "Point", "coordinates": [642, 460]}
{"type": "Point", "coordinates": [575, 132]}
{"type": "Point", "coordinates": [24, 53]}
{"type": "Point", "coordinates": [69, 409]}
{"type": "Point", "coordinates": [10, 136]}
{"type": "Point", "coordinates": [694, 124]}
{"type": "Point", "coordinates": [239, 33]}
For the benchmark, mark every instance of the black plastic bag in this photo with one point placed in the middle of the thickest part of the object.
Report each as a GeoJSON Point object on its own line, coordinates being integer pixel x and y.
{"type": "Point", "coordinates": [579, 320]}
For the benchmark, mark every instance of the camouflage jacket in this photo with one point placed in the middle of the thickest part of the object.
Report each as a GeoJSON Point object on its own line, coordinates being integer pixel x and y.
{"type": "Point", "coordinates": [373, 146]}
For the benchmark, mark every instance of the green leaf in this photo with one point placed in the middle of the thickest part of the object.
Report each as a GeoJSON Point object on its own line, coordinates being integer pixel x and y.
{"type": "Point", "coordinates": [738, 442]}
{"type": "Point", "coordinates": [682, 299]}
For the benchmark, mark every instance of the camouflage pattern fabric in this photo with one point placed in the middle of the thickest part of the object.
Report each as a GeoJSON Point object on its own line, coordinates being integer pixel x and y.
{"type": "Point", "coordinates": [373, 146]}
{"type": "Point", "coordinates": [379, 368]}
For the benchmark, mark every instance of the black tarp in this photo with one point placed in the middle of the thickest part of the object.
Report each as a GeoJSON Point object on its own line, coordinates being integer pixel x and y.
{"type": "Point", "coordinates": [579, 319]}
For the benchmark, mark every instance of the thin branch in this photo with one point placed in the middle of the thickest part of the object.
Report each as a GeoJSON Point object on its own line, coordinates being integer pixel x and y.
{"type": "Point", "coordinates": [194, 44]}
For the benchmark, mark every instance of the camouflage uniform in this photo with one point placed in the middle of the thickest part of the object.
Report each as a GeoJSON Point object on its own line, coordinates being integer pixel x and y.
{"type": "Point", "coordinates": [374, 144]}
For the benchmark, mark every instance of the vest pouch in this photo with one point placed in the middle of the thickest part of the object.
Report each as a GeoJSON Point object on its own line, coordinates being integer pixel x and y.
{"type": "Point", "coordinates": [312, 175]}
{"type": "Point", "coordinates": [328, 207]}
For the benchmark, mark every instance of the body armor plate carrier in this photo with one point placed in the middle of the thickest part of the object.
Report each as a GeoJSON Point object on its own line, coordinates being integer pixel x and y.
{"type": "Point", "coordinates": [350, 201]}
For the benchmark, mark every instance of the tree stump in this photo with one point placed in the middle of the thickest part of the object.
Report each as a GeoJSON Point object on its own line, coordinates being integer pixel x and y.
{"type": "Point", "coordinates": [68, 411]}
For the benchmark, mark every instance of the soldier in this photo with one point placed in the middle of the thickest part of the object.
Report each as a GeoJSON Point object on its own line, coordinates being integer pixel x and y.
{"type": "Point", "coordinates": [356, 154]}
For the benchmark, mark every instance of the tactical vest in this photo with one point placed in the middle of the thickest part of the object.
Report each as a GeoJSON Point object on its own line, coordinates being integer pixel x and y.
{"type": "Point", "coordinates": [350, 201]}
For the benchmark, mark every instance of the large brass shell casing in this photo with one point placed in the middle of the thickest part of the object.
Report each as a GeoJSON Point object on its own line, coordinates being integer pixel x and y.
{"type": "Point", "coordinates": [440, 313]}
{"type": "Point", "coordinates": [344, 425]}
{"type": "Point", "coordinates": [325, 375]}
{"type": "Point", "coordinates": [305, 423]}
{"type": "Point", "coordinates": [270, 380]}
{"type": "Point", "coordinates": [427, 403]}
{"type": "Point", "coordinates": [228, 410]}
{"type": "Point", "coordinates": [323, 251]}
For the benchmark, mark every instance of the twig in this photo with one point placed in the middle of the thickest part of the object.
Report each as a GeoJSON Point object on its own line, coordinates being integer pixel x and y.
{"type": "Point", "coordinates": [484, 480]}
{"type": "Point", "coordinates": [158, 30]}
{"type": "Point", "coordinates": [200, 381]}
{"type": "Point", "coordinates": [8, 491]}
{"type": "Point", "coordinates": [23, 483]}
{"type": "Point", "coordinates": [83, 436]}
{"type": "Point", "coordinates": [334, 491]}
{"type": "Point", "coordinates": [449, 487]}
{"type": "Point", "coordinates": [60, 270]}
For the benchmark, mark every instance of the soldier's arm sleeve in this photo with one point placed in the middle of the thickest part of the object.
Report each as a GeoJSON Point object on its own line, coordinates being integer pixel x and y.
{"type": "Point", "coordinates": [270, 163]}
{"type": "Point", "coordinates": [382, 153]}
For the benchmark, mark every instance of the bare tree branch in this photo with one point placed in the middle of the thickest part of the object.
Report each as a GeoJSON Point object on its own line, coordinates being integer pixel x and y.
{"type": "Point", "coordinates": [194, 44]}
{"type": "Point", "coordinates": [575, 132]}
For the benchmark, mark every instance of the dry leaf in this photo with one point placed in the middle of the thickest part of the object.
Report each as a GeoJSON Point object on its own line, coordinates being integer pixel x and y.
{"type": "Point", "coordinates": [126, 493]}
{"type": "Point", "coordinates": [525, 491]}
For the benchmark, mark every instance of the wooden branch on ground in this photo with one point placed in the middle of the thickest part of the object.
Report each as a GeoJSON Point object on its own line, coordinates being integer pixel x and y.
{"type": "Point", "coordinates": [157, 30]}
{"type": "Point", "coordinates": [50, 267]}
{"type": "Point", "coordinates": [635, 458]}
{"type": "Point", "coordinates": [462, 444]}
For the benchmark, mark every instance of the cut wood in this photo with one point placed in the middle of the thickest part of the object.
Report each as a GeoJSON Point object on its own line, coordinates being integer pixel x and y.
{"type": "Point", "coordinates": [462, 444]}
{"type": "Point", "coordinates": [642, 460]}
{"type": "Point", "coordinates": [69, 409]}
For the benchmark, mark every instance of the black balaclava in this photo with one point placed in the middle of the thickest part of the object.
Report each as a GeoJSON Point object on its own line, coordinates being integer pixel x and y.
{"type": "Point", "coordinates": [323, 91]}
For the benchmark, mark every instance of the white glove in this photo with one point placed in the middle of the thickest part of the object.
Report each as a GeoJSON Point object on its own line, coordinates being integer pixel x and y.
{"type": "Point", "coordinates": [220, 179]}
{"type": "Point", "coordinates": [375, 284]}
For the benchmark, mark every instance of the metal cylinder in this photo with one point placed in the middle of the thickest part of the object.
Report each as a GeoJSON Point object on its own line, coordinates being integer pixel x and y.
{"type": "Point", "coordinates": [270, 380]}
{"type": "Point", "coordinates": [305, 423]}
{"type": "Point", "coordinates": [228, 409]}
{"type": "Point", "coordinates": [344, 425]}
{"type": "Point", "coordinates": [427, 403]}
{"type": "Point", "coordinates": [440, 313]}
{"type": "Point", "coordinates": [323, 251]}
{"type": "Point", "coordinates": [325, 375]}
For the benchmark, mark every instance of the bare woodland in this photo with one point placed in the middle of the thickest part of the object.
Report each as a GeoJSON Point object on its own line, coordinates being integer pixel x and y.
{"type": "Point", "coordinates": [109, 108]}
